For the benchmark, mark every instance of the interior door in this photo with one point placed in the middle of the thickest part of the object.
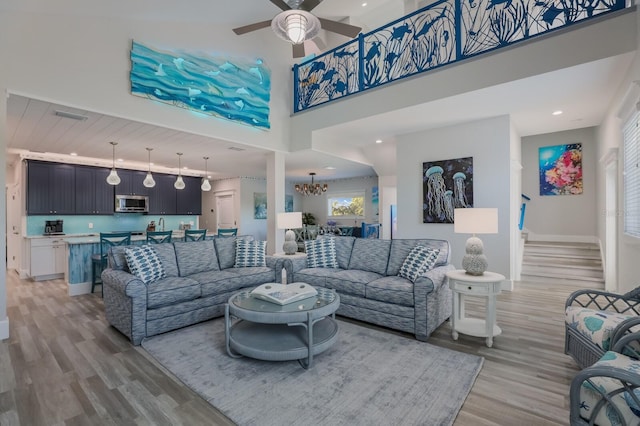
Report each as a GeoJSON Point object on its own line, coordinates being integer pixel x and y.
{"type": "Point", "coordinates": [225, 211]}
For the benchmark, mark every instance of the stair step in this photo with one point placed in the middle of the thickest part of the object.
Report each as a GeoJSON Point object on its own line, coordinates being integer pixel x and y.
{"type": "Point", "coordinates": [562, 251]}
{"type": "Point", "coordinates": [556, 261]}
{"type": "Point", "coordinates": [591, 283]}
{"type": "Point", "coordinates": [571, 262]}
{"type": "Point", "coordinates": [560, 271]}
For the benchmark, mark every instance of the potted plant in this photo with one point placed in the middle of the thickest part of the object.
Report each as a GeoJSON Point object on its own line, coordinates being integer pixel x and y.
{"type": "Point", "coordinates": [308, 219]}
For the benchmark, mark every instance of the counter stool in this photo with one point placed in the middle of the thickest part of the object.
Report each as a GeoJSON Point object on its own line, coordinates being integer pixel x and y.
{"type": "Point", "coordinates": [195, 234]}
{"type": "Point", "coordinates": [159, 237]}
{"type": "Point", "coordinates": [99, 260]}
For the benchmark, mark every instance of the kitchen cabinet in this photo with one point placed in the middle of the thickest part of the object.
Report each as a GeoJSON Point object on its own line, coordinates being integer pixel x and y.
{"type": "Point", "coordinates": [50, 188]}
{"type": "Point", "coordinates": [163, 197]}
{"type": "Point", "coordinates": [189, 199]}
{"type": "Point", "coordinates": [93, 194]}
{"type": "Point", "coordinates": [48, 258]}
{"type": "Point", "coordinates": [131, 183]}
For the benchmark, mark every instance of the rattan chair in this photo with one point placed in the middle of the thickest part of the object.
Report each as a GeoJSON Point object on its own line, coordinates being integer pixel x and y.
{"type": "Point", "coordinates": [615, 315]}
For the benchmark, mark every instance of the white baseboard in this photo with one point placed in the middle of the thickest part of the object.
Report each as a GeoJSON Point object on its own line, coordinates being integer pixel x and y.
{"type": "Point", "coordinates": [4, 328]}
{"type": "Point", "coordinates": [23, 274]}
{"type": "Point", "coordinates": [506, 285]}
{"type": "Point", "coordinates": [79, 289]}
{"type": "Point", "coordinates": [532, 236]}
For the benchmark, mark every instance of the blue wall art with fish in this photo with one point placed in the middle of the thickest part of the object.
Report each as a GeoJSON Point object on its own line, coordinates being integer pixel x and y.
{"type": "Point", "coordinates": [233, 89]}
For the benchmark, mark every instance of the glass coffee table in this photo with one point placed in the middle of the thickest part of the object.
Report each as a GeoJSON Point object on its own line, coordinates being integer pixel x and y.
{"type": "Point", "coordinates": [268, 331]}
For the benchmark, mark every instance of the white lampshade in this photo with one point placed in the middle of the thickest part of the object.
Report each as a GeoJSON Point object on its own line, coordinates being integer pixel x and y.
{"type": "Point", "coordinates": [289, 220]}
{"type": "Point", "coordinates": [113, 178]}
{"type": "Point", "coordinates": [475, 221]}
{"type": "Point", "coordinates": [296, 27]}
{"type": "Point", "coordinates": [148, 181]}
{"type": "Point", "coordinates": [206, 185]}
{"type": "Point", "coordinates": [179, 183]}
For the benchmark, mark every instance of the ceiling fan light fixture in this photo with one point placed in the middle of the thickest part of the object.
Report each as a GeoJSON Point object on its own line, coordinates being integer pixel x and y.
{"type": "Point", "coordinates": [295, 26]}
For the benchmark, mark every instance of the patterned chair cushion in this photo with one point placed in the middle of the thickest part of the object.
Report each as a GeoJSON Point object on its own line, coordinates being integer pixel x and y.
{"type": "Point", "coordinates": [144, 263]}
{"type": "Point", "coordinates": [596, 325]}
{"type": "Point", "coordinates": [589, 396]}
{"type": "Point", "coordinates": [419, 260]}
{"type": "Point", "coordinates": [250, 253]}
{"type": "Point", "coordinates": [321, 253]}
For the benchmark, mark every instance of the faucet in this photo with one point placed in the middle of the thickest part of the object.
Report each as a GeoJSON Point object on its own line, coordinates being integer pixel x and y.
{"type": "Point", "coordinates": [161, 221]}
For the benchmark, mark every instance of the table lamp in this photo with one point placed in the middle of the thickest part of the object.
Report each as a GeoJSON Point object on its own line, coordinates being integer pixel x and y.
{"type": "Point", "coordinates": [475, 221]}
{"type": "Point", "coordinates": [289, 221]}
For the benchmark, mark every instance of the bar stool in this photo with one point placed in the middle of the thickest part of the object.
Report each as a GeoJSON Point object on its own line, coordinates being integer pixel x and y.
{"type": "Point", "coordinates": [158, 237]}
{"type": "Point", "coordinates": [99, 260]}
{"type": "Point", "coordinates": [194, 234]}
{"type": "Point", "coordinates": [227, 232]}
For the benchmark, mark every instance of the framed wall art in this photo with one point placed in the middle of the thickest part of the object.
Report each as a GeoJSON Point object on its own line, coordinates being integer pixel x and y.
{"type": "Point", "coordinates": [560, 169]}
{"type": "Point", "coordinates": [446, 185]}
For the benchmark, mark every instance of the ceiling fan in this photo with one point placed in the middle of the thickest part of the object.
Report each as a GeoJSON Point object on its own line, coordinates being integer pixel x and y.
{"type": "Point", "coordinates": [296, 24]}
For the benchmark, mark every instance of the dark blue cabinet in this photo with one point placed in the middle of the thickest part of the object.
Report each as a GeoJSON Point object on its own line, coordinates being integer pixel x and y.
{"type": "Point", "coordinates": [189, 199]}
{"type": "Point", "coordinates": [50, 188]}
{"type": "Point", "coordinates": [162, 197]}
{"type": "Point", "coordinates": [93, 194]}
{"type": "Point", "coordinates": [131, 183]}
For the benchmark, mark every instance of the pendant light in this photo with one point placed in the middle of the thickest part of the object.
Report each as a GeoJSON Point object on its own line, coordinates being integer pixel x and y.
{"type": "Point", "coordinates": [206, 186]}
{"type": "Point", "coordinates": [179, 184]}
{"type": "Point", "coordinates": [148, 181]}
{"type": "Point", "coordinates": [113, 178]}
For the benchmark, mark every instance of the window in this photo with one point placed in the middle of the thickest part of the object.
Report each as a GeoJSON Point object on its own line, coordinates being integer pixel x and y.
{"type": "Point", "coordinates": [346, 205]}
{"type": "Point", "coordinates": [631, 134]}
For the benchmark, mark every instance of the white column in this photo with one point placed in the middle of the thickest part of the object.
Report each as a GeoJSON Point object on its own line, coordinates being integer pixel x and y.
{"type": "Point", "coordinates": [4, 320]}
{"type": "Point", "coordinates": [275, 200]}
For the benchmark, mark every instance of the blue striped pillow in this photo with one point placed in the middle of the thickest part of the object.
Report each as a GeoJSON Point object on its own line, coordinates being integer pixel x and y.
{"type": "Point", "coordinates": [419, 260]}
{"type": "Point", "coordinates": [250, 253]}
{"type": "Point", "coordinates": [321, 253]}
{"type": "Point", "coordinates": [144, 263]}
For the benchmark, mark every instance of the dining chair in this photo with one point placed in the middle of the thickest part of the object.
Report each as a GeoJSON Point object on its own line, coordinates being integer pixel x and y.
{"type": "Point", "coordinates": [346, 230]}
{"type": "Point", "coordinates": [194, 234]}
{"type": "Point", "coordinates": [99, 260]}
{"type": "Point", "coordinates": [370, 230]}
{"type": "Point", "coordinates": [227, 232]}
{"type": "Point", "coordinates": [158, 237]}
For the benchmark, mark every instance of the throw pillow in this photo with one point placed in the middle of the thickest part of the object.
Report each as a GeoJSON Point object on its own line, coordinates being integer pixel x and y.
{"type": "Point", "coordinates": [419, 260]}
{"type": "Point", "coordinates": [250, 253]}
{"type": "Point", "coordinates": [321, 253]}
{"type": "Point", "coordinates": [144, 263]}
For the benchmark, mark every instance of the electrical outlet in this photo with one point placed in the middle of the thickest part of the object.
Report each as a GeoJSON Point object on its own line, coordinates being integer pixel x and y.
{"type": "Point", "coordinates": [90, 225]}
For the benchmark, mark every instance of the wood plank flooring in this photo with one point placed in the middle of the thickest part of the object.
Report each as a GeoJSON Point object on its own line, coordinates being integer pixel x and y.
{"type": "Point", "coordinates": [64, 365]}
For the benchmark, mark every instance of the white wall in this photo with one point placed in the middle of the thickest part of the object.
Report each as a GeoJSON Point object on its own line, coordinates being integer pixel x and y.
{"type": "Point", "coordinates": [561, 215]}
{"type": "Point", "coordinates": [488, 142]}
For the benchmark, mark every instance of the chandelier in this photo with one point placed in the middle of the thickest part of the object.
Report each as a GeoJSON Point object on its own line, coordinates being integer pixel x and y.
{"type": "Point", "coordinates": [313, 189]}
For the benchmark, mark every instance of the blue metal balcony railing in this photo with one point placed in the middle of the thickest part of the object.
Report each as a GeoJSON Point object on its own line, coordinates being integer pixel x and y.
{"type": "Point", "coordinates": [441, 33]}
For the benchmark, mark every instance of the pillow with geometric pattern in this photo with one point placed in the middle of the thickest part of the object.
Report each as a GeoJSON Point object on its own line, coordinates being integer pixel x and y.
{"type": "Point", "coordinates": [144, 263]}
{"type": "Point", "coordinates": [250, 253]}
{"type": "Point", "coordinates": [419, 260]}
{"type": "Point", "coordinates": [321, 253]}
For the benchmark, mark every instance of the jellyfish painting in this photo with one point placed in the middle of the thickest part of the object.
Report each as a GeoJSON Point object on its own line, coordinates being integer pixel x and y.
{"type": "Point", "coordinates": [446, 185]}
{"type": "Point", "coordinates": [435, 195]}
{"type": "Point", "coordinates": [459, 190]}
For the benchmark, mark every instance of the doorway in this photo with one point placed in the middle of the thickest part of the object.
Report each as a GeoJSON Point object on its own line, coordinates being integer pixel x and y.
{"type": "Point", "coordinates": [225, 211]}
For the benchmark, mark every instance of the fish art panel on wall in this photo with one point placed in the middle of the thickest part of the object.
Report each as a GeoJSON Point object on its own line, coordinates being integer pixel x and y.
{"type": "Point", "coordinates": [560, 169]}
{"type": "Point", "coordinates": [233, 89]}
{"type": "Point", "coordinates": [446, 185]}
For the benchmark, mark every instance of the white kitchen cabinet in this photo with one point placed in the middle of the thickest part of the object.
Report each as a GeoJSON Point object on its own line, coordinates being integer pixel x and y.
{"type": "Point", "coordinates": [47, 258]}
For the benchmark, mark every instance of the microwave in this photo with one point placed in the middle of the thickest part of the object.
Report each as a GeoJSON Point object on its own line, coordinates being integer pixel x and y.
{"type": "Point", "coordinates": [132, 204]}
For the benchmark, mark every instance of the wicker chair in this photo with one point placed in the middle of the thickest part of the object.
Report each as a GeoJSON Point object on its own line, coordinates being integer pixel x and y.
{"type": "Point", "coordinates": [594, 319]}
{"type": "Point", "coordinates": [608, 392]}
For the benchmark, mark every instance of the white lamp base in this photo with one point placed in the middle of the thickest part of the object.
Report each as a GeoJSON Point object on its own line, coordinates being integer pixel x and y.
{"type": "Point", "coordinates": [290, 246]}
{"type": "Point", "coordinates": [474, 262]}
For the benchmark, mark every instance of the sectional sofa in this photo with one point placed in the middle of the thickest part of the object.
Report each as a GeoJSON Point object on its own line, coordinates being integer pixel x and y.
{"type": "Point", "coordinates": [197, 279]}
{"type": "Point", "coordinates": [367, 279]}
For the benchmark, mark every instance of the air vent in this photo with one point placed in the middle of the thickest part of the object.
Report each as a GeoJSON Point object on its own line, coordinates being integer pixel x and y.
{"type": "Point", "coordinates": [235, 148]}
{"type": "Point", "coordinates": [71, 115]}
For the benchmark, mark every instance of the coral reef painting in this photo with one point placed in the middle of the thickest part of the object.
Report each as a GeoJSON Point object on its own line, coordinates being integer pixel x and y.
{"type": "Point", "coordinates": [561, 169]}
{"type": "Point", "coordinates": [233, 89]}
{"type": "Point", "coordinates": [446, 185]}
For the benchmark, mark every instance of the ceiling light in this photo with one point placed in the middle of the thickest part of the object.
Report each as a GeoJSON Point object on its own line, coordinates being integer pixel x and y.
{"type": "Point", "coordinates": [74, 154]}
{"type": "Point", "coordinates": [378, 140]}
{"type": "Point", "coordinates": [120, 160]}
{"type": "Point", "coordinates": [313, 189]}
{"type": "Point", "coordinates": [558, 112]}
{"type": "Point", "coordinates": [329, 168]}
{"type": "Point", "coordinates": [148, 180]}
{"type": "Point", "coordinates": [113, 178]}
{"type": "Point", "coordinates": [71, 115]}
{"type": "Point", "coordinates": [206, 185]}
{"type": "Point", "coordinates": [179, 183]}
{"type": "Point", "coordinates": [364, 4]}
{"type": "Point", "coordinates": [295, 26]}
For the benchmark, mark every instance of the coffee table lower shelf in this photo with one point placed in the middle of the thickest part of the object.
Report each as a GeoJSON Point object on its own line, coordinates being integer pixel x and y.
{"type": "Point", "coordinates": [281, 342]}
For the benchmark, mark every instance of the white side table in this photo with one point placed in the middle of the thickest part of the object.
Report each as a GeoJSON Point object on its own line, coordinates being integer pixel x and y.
{"type": "Point", "coordinates": [297, 255]}
{"type": "Point", "coordinates": [486, 285]}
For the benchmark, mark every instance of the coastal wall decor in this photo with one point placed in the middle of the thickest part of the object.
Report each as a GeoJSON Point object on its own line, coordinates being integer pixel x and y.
{"type": "Point", "coordinates": [560, 169]}
{"type": "Point", "coordinates": [233, 89]}
{"type": "Point", "coordinates": [446, 185]}
{"type": "Point", "coordinates": [260, 205]}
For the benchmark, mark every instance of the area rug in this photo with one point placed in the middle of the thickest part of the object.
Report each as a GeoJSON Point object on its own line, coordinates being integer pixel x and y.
{"type": "Point", "coordinates": [369, 377]}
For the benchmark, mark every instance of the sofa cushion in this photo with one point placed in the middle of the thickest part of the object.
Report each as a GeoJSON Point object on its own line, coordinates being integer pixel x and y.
{"type": "Point", "coordinates": [316, 277]}
{"type": "Point", "coordinates": [344, 246]}
{"type": "Point", "coordinates": [167, 254]}
{"type": "Point", "coordinates": [597, 326]}
{"type": "Point", "coordinates": [419, 260]}
{"type": "Point", "coordinates": [370, 255]}
{"type": "Point", "coordinates": [321, 253]}
{"type": "Point", "coordinates": [400, 248]}
{"type": "Point", "coordinates": [172, 290]}
{"type": "Point", "coordinates": [250, 253]}
{"type": "Point", "coordinates": [144, 263]}
{"type": "Point", "coordinates": [196, 256]}
{"type": "Point", "coordinates": [350, 281]}
{"type": "Point", "coordinates": [117, 258]}
{"type": "Point", "coordinates": [393, 289]}
{"type": "Point", "coordinates": [226, 251]}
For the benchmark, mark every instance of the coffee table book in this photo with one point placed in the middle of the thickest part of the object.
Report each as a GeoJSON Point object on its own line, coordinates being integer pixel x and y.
{"type": "Point", "coordinates": [283, 294]}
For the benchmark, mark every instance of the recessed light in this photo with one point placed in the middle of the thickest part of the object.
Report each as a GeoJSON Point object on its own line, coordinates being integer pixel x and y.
{"type": "Point", "coordinates": [120, 160]}
{"type": "Point", "coordinates": [74, 154]}
{"type": "Point", "coordinates": [364, 4]}
{"type": "Point", "coordinates": [558, 112]}
{"type": "Point", "coordinates": [378, 140]}
{"type": "Point", "coordinates": [185, 168]}
{"type": "Point", "coordinates": [329, 168]}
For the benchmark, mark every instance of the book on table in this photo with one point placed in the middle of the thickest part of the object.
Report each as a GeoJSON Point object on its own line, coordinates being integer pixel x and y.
{"type": "Point", "coordinates": [283, 294]}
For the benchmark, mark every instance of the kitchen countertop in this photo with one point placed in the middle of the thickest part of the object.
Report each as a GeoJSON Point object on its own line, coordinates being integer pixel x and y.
{"type": "Point", "coordinates": [92, 238]}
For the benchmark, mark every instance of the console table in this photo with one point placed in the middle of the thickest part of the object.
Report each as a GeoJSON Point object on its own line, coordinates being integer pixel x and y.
{"type": "Point", "coordinates": [486, 285]}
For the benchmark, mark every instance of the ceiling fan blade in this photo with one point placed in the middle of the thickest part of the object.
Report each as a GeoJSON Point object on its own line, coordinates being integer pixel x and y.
{"type": "Point", "coordinates": [281, 4]}
{"type": "Point", "coordinates": [309, 5]}
{"type": "Point", "coordinates": [339, 27]}
{"type": "Point", "coordinates": [252, 27]}
{"type": "Point", "coordinates": [298, 50]}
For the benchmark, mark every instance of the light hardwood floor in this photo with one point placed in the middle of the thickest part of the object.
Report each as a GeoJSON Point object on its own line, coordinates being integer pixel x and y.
{"type": "Point", "coordinates": [64, 365]}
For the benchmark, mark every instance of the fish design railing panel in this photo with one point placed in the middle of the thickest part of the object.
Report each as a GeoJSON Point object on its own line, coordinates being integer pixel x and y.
{"type": "Point", "coordinates": [441, 33]}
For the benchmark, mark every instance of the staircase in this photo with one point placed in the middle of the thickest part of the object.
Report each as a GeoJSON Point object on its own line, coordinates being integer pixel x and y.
{"type": "Point", "coordinates": [562, 262]}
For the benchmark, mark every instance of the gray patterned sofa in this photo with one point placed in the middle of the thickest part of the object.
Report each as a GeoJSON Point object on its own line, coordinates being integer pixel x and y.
{"type": "Point", "coordinates": [199, 278]}
{"type": "Point", "coordinates": [370, 289]}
